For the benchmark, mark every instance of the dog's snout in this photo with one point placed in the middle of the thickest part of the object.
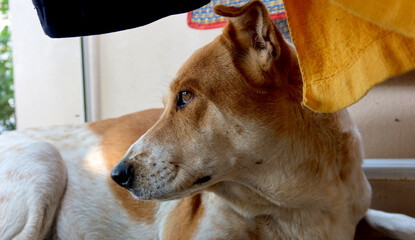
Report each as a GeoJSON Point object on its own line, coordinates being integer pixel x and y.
{"type": "Point", "coordinates": [123, 174]}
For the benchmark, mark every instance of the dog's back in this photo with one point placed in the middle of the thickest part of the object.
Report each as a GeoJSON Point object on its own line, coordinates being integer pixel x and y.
{"type": "Point", "coordinates": [32, 181]}
{"type": "Point", "coordinates": [55, 180]}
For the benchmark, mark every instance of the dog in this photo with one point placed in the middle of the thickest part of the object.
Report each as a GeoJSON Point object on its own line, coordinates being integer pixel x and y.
{"type": "Point", "coordinates": [233, 155]}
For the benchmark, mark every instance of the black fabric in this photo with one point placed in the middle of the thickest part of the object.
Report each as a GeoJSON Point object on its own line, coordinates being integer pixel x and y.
{"type": "Point", "coordinates": [72, 18]}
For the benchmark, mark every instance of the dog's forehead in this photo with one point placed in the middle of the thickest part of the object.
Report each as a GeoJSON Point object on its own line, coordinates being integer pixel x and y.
{"type": "Point", "coordinates": [205, 65]}
{"type": "Point", "coordinates": [181, 83]}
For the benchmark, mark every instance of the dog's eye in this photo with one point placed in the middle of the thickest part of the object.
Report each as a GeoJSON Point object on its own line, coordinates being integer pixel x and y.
{"type": "Point", "coordinates": [184, 98]}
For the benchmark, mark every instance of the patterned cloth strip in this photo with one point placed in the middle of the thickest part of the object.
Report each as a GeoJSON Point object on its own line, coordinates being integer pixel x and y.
{"type": "Point", "coordinates": [282, 25]}
{"type": "Point", "coordinates": [205, 18]}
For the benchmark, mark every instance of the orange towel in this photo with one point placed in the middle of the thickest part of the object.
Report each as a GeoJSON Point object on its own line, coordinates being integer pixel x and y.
{"type": "Point", "coordinates": [348, 46]}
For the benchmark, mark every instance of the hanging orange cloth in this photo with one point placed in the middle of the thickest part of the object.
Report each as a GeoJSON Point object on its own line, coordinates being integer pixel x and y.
{"type": "Point", "coordinates": [345, 47]}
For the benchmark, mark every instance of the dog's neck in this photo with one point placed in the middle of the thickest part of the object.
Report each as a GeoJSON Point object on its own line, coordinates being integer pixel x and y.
{"type": "Point", "coordinates": [295, 193]}
{"type": "Point", "coordinates": [278, 221]}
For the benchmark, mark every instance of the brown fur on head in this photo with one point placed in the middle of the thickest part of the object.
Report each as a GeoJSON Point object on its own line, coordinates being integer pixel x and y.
{"type": "Point", "coordinates": [241, 86]}
{"type": "Point", "coordinates": [233, 123]}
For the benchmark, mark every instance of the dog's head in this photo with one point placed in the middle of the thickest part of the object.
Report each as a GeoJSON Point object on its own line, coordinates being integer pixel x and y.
{"type": "Point", "coordinates": [227, 112]}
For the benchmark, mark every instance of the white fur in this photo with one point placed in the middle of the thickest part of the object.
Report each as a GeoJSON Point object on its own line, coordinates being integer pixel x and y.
{"type": "Point", "coordinates": [32, 180]}
{"type": "Point", "coordinates": [77, 185]}
{"type": "Point", "coordinates": [397, 226]}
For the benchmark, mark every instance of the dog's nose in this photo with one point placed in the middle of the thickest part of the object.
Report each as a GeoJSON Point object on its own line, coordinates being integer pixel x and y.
{"type": "Point", "coordinates": [123, 174]}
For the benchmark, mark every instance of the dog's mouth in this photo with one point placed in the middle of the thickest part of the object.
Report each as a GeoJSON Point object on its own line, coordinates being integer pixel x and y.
{"type": "Point", "coordinates": [164, 194]}
{"type": "Point", "coordinates": [202, 180]}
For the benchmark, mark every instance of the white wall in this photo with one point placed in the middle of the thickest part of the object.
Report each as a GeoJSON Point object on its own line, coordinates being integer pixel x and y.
{"type": "Point", "coordinates": [386, 118]}
{"type": "Point", "coordinates": [46, 72]}
{"type": "Point", "coordinates": [136, 66]}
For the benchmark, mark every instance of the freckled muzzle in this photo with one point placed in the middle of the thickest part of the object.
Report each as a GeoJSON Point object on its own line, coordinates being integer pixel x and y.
{"type": "Point", "coordinates": [157, 174]}
{"type": "Point", "coordinates": [145, 178]}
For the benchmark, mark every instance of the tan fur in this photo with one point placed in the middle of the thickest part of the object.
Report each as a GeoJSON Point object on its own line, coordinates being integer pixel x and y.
{"type": "Point", "coordinates": [183, 220]}
{"type": "Point", "coordinates": [247, 86]}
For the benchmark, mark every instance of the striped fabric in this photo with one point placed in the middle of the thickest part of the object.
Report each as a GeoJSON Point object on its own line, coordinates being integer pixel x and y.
{"type": "Point", "coordinates": [205, 18]}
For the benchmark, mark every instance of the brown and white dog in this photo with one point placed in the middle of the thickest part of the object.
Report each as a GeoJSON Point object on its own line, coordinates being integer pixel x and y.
{"type": "Point", "coordinates": [233, 155]}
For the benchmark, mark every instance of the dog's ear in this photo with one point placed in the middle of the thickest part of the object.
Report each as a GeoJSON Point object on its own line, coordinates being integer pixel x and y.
{"type": "Point", "coordinates": [256, 39]}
